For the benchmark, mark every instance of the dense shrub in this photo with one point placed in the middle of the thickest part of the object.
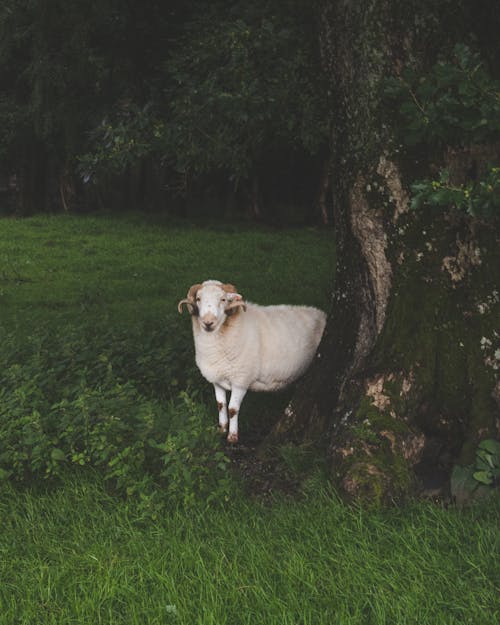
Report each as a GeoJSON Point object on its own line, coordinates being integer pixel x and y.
{"type": "Point", "coordinates": [110, 401]}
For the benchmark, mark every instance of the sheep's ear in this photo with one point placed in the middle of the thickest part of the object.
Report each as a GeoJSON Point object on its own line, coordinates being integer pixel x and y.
{"type": "Point", "coordinates": [190, 301]}
{"type": "Point", "coordinates": [235, 303]}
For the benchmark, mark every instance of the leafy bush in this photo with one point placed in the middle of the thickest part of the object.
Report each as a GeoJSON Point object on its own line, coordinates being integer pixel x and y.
{"type": "Point", "coordinates": [246, 80]}
{"type": "Point", "coordinates": [457, 105]}
{"type": "Point", "coordinates": [474, 198]}
{"type": "Point", "coordinates": [191, 461]}
{"type": "Point", "coordinates": [79, 400]}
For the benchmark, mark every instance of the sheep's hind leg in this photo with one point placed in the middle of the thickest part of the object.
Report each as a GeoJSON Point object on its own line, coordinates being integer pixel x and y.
{"type": "Point", "coordinates": [220, 396]}
{"type": "Point", "coordinates": [237, 395]}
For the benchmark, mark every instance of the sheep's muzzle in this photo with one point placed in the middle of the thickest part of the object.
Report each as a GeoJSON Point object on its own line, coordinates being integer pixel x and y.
{"type": "Point", "coordinates": [208, 322]}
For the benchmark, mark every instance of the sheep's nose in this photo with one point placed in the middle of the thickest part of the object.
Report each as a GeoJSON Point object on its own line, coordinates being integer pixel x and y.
{"type": "Point", "coordinates": [209, 325]}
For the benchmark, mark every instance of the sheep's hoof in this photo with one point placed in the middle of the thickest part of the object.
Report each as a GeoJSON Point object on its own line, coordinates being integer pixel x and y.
{"type": "Point", "coordinates": [232, 438]}
{"type": "Point", "coordinates": [222, 429]}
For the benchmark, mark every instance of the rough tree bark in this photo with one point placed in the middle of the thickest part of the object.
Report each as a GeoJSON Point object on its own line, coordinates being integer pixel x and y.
{"type": "Point", "coordinates": [402, 387]}
{"type": "Point", "coordinates": [33, 179]}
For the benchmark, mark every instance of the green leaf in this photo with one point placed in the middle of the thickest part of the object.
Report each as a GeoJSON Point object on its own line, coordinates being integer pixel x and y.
{"type": "Point", "coordinates": [481, 465]}
{"type": "Point", "coordinates": [58, 454]}
{"type": "Point", "coordinates": [484, 460]}
{"type": "Point", "coordinates": [4, 475]}
{"type": "Point", "coordinates": [492, 447]}
{"type": "Point", "coordinates": [488, 456]}
{"type": "Point", "coordinates": [484, 477]}
{"type": "Point", "coordinates": [463, 483]}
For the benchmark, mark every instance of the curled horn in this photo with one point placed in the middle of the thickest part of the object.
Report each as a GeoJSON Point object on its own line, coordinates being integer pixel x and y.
{"type": "Point", "coordinates": [190, 300]}
{"type": "Point", "coordinates": [236, 304]}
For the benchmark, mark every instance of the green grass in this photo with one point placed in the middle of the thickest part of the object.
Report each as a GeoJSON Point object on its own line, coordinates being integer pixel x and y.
{"type": "Point", "coordinates": [90, 339]}
{"type": "Point", "coordinates": [78, 556]}
{"type": "Point", "coordinates": [129, 270]}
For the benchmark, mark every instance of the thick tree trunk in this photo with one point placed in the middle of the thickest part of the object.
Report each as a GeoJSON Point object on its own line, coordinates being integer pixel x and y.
{"type": "Point", "coordinates": [67, 189]}
{"type": "Point", "coordinates": [323, 192]}
{"type": "Point", "coordinates": [400, 389]}
{"type": "Point", "coordinates": [33, 179]}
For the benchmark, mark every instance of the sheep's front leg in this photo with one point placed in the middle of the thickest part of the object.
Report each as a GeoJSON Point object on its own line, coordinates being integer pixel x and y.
{"type": "Point", "coordinates": [237, 395]}
{"type": "Point", "coordinates": [220, 396]}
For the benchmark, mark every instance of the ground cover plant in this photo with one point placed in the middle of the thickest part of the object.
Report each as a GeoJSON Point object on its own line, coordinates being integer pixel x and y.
{"type": "Point", "coordinates": [116, 502]}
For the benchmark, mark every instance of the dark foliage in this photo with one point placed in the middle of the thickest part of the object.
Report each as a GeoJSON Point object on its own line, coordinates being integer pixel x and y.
{"type": "Point", "coordinates": [135, 104]}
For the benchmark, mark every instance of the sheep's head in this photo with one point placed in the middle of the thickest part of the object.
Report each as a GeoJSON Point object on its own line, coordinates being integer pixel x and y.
{"type": "Point", "coordinates": [212, 302]}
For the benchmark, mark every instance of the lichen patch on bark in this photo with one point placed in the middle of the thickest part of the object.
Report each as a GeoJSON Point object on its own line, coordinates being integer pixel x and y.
{"type": "Point", "coordinates": [375, 390]}
{"type": "Point", "coordinates": [468, 255]}
{"type": "Point", "coordinates": [390, 172]}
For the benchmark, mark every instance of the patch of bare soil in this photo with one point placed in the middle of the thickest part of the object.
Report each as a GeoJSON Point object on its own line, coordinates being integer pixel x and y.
{"type": "Point", "coordinates": [262, 473]}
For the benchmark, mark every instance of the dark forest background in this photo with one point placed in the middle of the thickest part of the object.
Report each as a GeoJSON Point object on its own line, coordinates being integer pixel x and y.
{"type": "Point", "coordinates": [193, 108]}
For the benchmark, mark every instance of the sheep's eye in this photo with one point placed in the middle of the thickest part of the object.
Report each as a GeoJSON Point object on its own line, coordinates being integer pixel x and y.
{"type": "Point", "coordinates": [197, 299]}
{"type": "Point", "coordinates": [223, 299]}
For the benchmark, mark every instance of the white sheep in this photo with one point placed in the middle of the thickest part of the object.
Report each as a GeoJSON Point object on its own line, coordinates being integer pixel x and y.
{"type": "Point", "coordinates": [241, 346]}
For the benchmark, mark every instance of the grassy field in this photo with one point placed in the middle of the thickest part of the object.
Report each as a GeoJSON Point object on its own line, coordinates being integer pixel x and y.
{"type": "Point", "coordinates": [94, 364]}
{"type": "Point", "coordinates": [78, 556]}
{"type": "Point", "coordinates": [134, 270]}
